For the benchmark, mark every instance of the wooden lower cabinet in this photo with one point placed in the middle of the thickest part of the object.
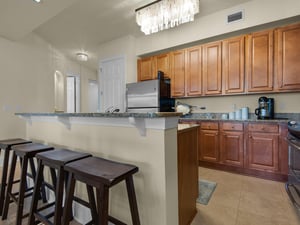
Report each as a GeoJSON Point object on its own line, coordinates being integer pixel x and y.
{"type": "Point", "coordinates": [252, 148]}
{"type": "Point", "coordinates": [232, 144]}
{"type": "Point", "coordinates": [209, 142]}
{"type": "Point", "coordinates": [187, 140]}
{"type": "Point", "coordinates": [263, 147]}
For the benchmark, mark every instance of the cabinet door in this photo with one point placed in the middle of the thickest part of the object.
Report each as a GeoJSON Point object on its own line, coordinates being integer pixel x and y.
{"type": "Point", "coordinates": [145, 69]}
{"type": "Point", "coordinates": [259, 61]}
{"type": "Point", "coordinates": [193, 71]}
{"type": "Point", "coordinates": [209, 145]}
{"type": "Point", "coordinates": [178, 73]}
{"type": "Point", "coordinates": [162, 63]}
{"type": "Point", "coordinates": [212, 74]}
{"type": "Point", "coordinates": [233, 67]}
{"type": "Point", "coordinates": [231, 148]}
{"type": "Point", "coordinates": [263, 151]}
{"type": "Point", "coordinates": [287, 57]}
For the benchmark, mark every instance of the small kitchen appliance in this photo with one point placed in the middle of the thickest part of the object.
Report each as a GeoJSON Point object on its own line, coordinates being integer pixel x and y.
{"type": "Point", "coordinates": [265, 108]}
{"type": "Point", "coordinates": [149, 96]}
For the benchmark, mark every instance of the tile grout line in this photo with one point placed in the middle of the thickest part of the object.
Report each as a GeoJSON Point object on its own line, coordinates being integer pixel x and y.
{"type": "Point", "coordinates": [238, 205]}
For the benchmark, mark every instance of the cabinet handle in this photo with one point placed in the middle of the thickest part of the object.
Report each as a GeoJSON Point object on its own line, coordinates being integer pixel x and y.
{"type": "Point", "coordinates": [250, 137]}
{"type": "Point", "coordinates": [232, 127]}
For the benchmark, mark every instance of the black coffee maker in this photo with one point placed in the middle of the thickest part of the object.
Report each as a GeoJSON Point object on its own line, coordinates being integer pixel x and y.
{"type": "Point", "coordinates": [265, 108]}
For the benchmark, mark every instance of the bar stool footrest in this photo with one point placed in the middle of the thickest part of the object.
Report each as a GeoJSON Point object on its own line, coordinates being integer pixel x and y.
{"type": "Point", "coordinates": [115, 221]}
{"type": "Point", "coordinates": [81, 201]}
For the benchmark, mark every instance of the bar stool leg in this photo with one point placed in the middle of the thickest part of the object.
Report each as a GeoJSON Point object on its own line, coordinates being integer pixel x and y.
{"type": "Point", "coordinates": [69, 200]}
{"type": "Point", "coordinates": [38, 184]}
{"type": "Point", "coordinates": [9, 186]}
{"type": "Point", "coordinates": [4, 179]}
{"type": "Point", "coordinates": [102, 204]}
{"type": "Point", "coordinates": [92, 204]}
{"type": "Point", "coordinates": [42, 194]}
{"type": "Point", "coordinates": [20, 204]}
{"type": "Point", "coordinates": [58, 199]}
{"type": "Point", "coordinates": [132, 201]}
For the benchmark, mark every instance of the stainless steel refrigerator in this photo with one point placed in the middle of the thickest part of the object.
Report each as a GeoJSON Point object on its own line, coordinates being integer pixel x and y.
{"type": "Point", "coordinates": [149, 96]}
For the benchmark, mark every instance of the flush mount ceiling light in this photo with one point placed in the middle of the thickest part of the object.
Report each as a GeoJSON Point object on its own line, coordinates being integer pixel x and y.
{"type": "Point", "coordinates": [165, 14]}
{"type": "Point", "coordinates": [82, 57]}
{"type": "Point", "coordinates": [37, 1]}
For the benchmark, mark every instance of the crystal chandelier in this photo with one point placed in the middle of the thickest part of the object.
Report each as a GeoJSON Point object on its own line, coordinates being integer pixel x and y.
{"type": "Point", "coordinates": [165, 14]}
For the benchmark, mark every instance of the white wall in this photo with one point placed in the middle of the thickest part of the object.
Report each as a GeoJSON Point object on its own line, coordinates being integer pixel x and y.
{"type": "Point", "coordinates": [27, 70]}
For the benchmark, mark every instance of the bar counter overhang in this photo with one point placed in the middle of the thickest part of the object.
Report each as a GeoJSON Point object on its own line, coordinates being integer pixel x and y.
{"type": "Point", "coordinates": [147, 140]}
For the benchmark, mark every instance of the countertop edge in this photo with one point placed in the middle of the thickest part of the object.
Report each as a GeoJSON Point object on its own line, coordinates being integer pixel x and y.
{"type": "Point", "coordinates": [109, 115]}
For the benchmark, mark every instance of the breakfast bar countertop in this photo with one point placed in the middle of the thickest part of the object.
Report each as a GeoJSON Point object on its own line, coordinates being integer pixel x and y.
{"type": "Point", "coordinates": [115, 115]}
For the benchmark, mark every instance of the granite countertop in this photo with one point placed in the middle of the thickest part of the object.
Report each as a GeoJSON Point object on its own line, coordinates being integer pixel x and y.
{"type": "Point", "coordinates": [115, 115]}
{"type": "Point", "coordinates": [228, 120]}
{"type": "Point", "coordinates": [278, 118]}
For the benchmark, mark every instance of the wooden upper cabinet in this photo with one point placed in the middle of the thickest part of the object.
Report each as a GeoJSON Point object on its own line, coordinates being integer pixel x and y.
{"type": "Point", "coordinates": [259, 61]}
{"type": "Point", "coordinates": [287, 55]}
{"type": "Point", "coordinates": [212, 74]}
{"type": "Point", "coordinates": [193, 69]}
{"type": "Point", "coordinates": [233, 65]}
{"type": "Point", "coordinates": [145, 69]}
{"type": "Point", "coordinates": [178, 73]}
{"type": "Point", "coordinates": [162, 63]}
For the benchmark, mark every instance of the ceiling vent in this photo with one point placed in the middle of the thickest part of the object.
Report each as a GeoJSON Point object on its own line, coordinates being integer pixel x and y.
{"type": "Point", "coordinates": [235, 17]}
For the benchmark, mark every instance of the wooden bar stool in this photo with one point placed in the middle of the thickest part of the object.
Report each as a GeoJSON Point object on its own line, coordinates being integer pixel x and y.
{"type": "Point", "coordinates": [101, 174]}
{"type": "Point", "coordinates": [26, 153]}
{"type": "Point", "coordinates": [54, 160]}
{"type": "Point", "coordinates": [6, 145]}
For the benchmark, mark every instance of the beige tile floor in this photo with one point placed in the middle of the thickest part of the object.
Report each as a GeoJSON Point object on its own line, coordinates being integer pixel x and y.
{"type": "Point", "coordinates": [244, 200]}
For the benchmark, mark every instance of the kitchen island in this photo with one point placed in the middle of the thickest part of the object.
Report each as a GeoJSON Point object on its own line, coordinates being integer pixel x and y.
{"type": "Point", "coordinates": [147, 140]}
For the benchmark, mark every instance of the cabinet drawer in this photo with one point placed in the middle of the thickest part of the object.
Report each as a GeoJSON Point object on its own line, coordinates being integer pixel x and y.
{"type": "Point", "coordinates": [210, 125]}
{"type": "Point", "coordinates": [272, 128]}
{"type": "Point", "coordinates": [232, 126]}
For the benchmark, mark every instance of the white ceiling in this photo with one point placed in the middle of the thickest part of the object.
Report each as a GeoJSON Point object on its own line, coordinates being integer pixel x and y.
{"type": "Point", "coordinates": [81, 25]}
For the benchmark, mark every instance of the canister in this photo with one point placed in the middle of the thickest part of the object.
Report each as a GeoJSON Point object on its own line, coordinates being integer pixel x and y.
{"type": "Point", "coordinates": [245, 113]}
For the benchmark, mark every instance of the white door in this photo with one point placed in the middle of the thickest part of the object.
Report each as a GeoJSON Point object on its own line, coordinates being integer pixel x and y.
{"type": "Point", "coordinates": [59, 85]}
{"type": "Point", "coordinates": [93, 96]}
{"type": "Point", "coordinates": [112, 84]}
{"type": "Point", "coordinates": [73, 94]}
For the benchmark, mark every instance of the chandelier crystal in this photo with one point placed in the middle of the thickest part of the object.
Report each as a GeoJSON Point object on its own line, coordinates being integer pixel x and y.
{"type": "Point", "coordinates": [165, 14]}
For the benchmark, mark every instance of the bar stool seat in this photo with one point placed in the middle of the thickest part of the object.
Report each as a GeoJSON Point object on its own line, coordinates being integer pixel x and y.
{"type": "Point", "coordinates": [6, 145]}
{"type": "Point", "coordinates": [26, 153]}
{"type": "Point", "coordinates": [101, 174]}
{"type": "Point", "coordinates": [54, 160]}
